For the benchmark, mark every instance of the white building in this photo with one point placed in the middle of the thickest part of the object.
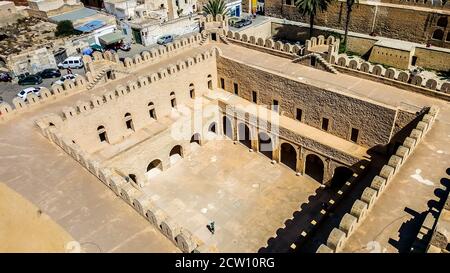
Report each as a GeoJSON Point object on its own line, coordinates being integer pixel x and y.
{"type": "Point", "coordinates": [122, 9]}
{"type": "Point", "coordinates": [146, 31]}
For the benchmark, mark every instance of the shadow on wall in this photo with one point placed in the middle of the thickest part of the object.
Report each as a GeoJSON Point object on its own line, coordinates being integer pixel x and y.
{"type": "Point", "coordinates": [311, 210]}
{"type": "Point", "coordinates": [410, 228]}
{"type": "Point", "coordinates": [308, 211]}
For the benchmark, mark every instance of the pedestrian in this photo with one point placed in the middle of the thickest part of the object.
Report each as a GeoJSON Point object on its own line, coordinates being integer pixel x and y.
{"type": "Point", "coordinates": [69, 71]}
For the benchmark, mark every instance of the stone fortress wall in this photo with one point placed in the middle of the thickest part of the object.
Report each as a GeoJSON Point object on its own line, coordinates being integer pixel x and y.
{"type": "Point", "coordinates": [133, 98]}
{"type": "Point", "coordinates": [404, 20]}
{"type": "Point", "coordinates": [391, 76]}
{"type": "Point", "coordinates": [361, 207]}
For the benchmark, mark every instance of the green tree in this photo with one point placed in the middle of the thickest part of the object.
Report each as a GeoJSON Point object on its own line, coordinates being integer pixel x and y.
{"type": "Point", "coordinates": [65, 28]}
{"type": "Point", "coordinates": [350, 4]}
{"type": "Point", "coordinates": [310, 8]}
{"type": "Point", "coordinates": [215, 7]}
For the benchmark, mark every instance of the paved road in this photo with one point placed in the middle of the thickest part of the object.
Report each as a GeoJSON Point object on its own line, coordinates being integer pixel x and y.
{"type": "Point", "coordinates": [9, 90]}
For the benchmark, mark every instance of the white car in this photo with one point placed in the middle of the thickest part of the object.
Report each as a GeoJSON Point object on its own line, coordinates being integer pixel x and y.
{"type": "Point", "coordinates": [61, 80]}
{"type": "Point", "coordinates": [71, 62]}
{"type": "Point", "coordinates": [24, 93]}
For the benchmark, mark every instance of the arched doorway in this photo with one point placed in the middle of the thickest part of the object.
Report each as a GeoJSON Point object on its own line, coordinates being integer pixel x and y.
{"type": "Point", "coordinates": [341, 175]}
{"type": "Point", "coordinates": [212, 127]}
{"type": "Point", "coordinates": [288, 156]}
{"type": "Point", "coordinates": [265, 145]}
{"type": "Point", "coordinates": [314, 167]}
{"type": "Point", "coordinates": [195, 139]}
{"type": "Point", "coordinates": [154, 168]}
{"type": "Point", "coordinates": [244, 135]}
{"type": "Point", "coordinates": [192, 91]}
{"type": "Point", "coordinates": [133, 177]}
{"type": "Point", "coordinates": [227, 127]}
{"type": "Point", "coordinates": [173, 101]}
{"type": "Point", "coordinates": [175, 154]}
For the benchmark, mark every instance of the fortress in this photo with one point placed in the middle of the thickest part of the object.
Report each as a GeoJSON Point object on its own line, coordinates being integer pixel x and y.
{"type": "Point", "coordinates": [266, 139]}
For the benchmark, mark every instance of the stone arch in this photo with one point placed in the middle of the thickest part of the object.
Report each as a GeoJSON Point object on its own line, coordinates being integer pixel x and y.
{"type": "Point", "coordinates": [213, 127]}
{"type": "Point", "coordinates": [288, 155]}
{"type": "Point", "coordinates": [265, 144]}
{"type": "Point", "coordinates": [431, 84]}
{"type": "Point", "coordinates": [403, 76]}
{"type": "Point", "coordinates": [244, 135]}
{"type": "Point", "coordinates": [314, 167]}
{"type": "Point", "coordinates": [341, 175]}
{"type": "Point", "coordinates": [342, 61]}
{"type": "Point", "coordinates": [196, 139]}
{"type": "Point", "coordinates": [442, 22]}
{"type": "Point", "coordinates": [227, 127]}
{"type": "Point", "coordinates": [175, 154]}
{"type": "Point", "coordinates": [154, 168]}
{"type": "Point", "coordinates": [438, 34]}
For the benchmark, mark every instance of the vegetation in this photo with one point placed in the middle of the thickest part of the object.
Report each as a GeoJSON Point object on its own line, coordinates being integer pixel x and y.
{"type": "Point", "coordinates": [65, 28]}
{"type": "Point", "coordinates": [310, 8]}
{"type": "Point", "coordinates": [350, 4]}
{"type": "Point", "coordinates": [215, 7]}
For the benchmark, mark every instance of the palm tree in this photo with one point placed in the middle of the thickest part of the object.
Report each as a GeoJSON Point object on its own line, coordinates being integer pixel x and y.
{"type": "Point", "coordinates": [215, 7]}
{"type": "Point", "coordinates": [350, 4]}
{"type": "Point", "coordinates": [310, 7]}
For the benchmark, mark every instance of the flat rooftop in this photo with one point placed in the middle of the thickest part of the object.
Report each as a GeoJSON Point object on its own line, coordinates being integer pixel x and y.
{"type": "Point", "coordinates": [371, 91]}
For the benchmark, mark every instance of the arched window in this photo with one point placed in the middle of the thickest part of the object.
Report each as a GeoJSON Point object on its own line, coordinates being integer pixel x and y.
{"type": "Point", "coordinates": [195, 138]}
{"type": "Point", "coordinates": [244, 135]}
{"type": "Point", "coordinates": [265, 144]}
{"type": "Point", "coordinates": [212, 127]}
{"type": "Point", "coordinates": [173, 101]}
{"type": "Point", "coordinates": [210, 82]}
{"type": "Point", "coordinates": [129, 121]}
{"type": "Point", "coordinates": [101, 131]}
{"type": "Point", "coordinates": [442, 22]}
{"type": "Point", "coordinates": [438, 34]}
{"type": "Point", "coordinates": [133, 177]}
{"type": "Point", "coordinates": [192, 91]}
{"type": "Point", "coordinates": [151, 110]}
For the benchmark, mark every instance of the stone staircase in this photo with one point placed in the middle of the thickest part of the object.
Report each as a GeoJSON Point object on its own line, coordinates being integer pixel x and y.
{"type": "Point", "coordinates": [224, 39]}
{"type": "Point", "coordinates": [328, 67]}
{"type": "Point", "coordinates": [102, 74]}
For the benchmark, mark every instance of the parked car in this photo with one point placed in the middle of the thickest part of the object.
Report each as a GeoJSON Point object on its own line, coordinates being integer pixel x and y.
{"type": "Point", "coordinates": [31, 79]}
{"type": "Point", "coordinates": [242, 23]}
{"type": "Point", "coordinates": [23, 75]}
{"type": "Point", "coordinates": [71, 62]}
{"type": "Point", "coordinates": [165, 39]}
{"type": "Point", "coordinates": [125, 46]}
{"type": "Point", "coordinates": [96, 47]}
{"type": "Point", "coordinates": [50, 73]}
{"type": "Point", "coordinates": [30, 90]}
{"type": "Point", "coordinates": [233, 21]}
{"type": "Point", "coordinates": [61, 80]}
{"type": "Point", "coordinates": [5, 77]}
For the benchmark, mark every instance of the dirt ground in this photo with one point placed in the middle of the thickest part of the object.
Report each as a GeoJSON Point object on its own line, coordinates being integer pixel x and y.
{"type": "Point", "coordinates": [24, 229]}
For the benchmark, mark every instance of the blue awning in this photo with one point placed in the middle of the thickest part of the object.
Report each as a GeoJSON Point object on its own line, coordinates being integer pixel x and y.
{"type": "Point", "coordinates": [91, 26]}
{"type": "Point", "coordinates": [74, 15]}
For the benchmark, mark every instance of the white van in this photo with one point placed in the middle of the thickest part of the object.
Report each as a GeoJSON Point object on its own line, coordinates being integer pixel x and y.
{"type": "Point", "coordinates": [71, 62]}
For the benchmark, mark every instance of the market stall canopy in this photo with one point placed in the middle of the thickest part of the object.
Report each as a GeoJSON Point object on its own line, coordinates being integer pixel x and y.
{"type": "Point", "coordinates": [111, 38]}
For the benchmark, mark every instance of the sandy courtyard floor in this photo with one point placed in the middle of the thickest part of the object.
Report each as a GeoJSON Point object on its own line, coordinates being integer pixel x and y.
{"type": "Point", "coordinates": [246, 196]}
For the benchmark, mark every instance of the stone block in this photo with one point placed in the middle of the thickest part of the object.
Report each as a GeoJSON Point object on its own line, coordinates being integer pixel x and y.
{"type": "Point", "coordinates": [378, 184]}
{"type": "Point", "coordinates": [395, 162]}
{"type": "Point", "coordinates": [336, 239]}
{"type": "Point", "coordinates": [324, 249]}
{"type": "Point", "coordinates": [409, 143]}
{"type": "Point", "coordinates": [402, 152]}
{"type": "Point", "coordinates": [348, 224]}
{"type": "Point", "coordinates": [387, 172]}
{"type": "Point", "coordinates": [369, 196]}
{"type": "Point", "coordinates": [359, 210]}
